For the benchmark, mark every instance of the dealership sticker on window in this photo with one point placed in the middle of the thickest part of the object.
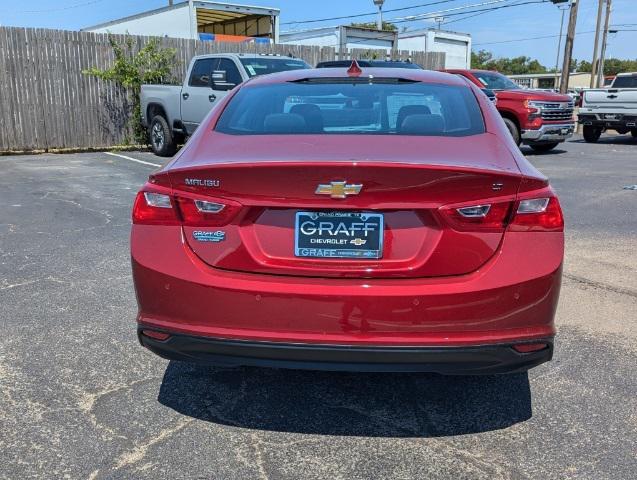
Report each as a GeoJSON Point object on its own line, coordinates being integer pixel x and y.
{"type": "Point", "coordinates": [201, 236]}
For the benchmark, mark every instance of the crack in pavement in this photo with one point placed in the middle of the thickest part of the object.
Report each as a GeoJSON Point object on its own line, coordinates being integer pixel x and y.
{"type": "Point", "coordinates": [604, 286]}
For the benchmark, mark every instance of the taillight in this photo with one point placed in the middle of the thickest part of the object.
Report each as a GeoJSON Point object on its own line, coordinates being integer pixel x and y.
{"type": "Point", "coordinates": [153, 208]}
{"type": "Point", "coordinates": [538, 215]}
{"type": "Point", "coordinates": [161, 208]}
{"type": "Point", "coordinates": [531, 214]}
{"type": "Point", "coordinates": [484, 216]}
{"type": "Point", "coordinates": [197, 212]}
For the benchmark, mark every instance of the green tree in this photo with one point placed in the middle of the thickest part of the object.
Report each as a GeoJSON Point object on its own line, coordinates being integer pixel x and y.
{"type": "Point", "coordinates": [132, 68]}
{"type": "Point", "coordinates": [485, 60]}
{"type": "Point", "coordinates": [387, 26]}
{"type": "Point", "coordinates": [481, 59]}
{"type": "Point", "coordinates": [613, 66]}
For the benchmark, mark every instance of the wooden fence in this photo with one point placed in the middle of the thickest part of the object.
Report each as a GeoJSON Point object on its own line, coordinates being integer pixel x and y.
{"type": "Point", "coordinates": [47, 103]}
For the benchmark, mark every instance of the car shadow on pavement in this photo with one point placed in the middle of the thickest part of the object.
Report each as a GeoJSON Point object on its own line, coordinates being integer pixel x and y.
{"type": "Point", "coordinates": [529, 152]}
{"type": "Point", "coordinates": [335, 403]}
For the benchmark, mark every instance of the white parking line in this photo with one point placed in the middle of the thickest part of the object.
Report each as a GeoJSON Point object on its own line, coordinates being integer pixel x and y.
{"type": "Point", "coordinates": [132, 159]}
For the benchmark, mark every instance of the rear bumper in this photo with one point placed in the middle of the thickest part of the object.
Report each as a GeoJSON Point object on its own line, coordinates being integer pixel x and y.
{"type": "Point", "coordinates": [469, 360]}
{"type": "Point", "coordinates": [618, 120]}
{"type": "Point", "coordinates": [511, 299]}
{"type": "Point", "coordinates": [548, 133]}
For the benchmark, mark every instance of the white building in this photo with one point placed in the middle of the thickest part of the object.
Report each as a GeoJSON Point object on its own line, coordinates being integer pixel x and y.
{"type": "Point", "coordinates": [200, 19]}
{"type": "Point", "coordinates": [456, 46]}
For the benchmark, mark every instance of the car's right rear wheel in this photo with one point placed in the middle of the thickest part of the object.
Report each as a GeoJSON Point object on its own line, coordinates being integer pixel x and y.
{"type": "Point", "coordinates": [633, 132]}
{"type": "Point", "coordinates": [161, 138]}
{"type": "Point", "coordinates": [592, 134]}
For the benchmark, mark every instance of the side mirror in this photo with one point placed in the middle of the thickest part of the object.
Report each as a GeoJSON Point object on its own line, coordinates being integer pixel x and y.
{"type": "Point", "coordinates": [219, 82]}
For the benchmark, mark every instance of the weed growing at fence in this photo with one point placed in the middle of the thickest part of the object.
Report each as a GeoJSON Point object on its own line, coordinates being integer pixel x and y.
{"type": "Point", "coordinates": [132, 67]}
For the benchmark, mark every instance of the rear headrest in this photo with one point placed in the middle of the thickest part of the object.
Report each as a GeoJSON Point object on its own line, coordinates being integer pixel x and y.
{"type": "Point", "coordinates": [312, 115]}
{"type": "Point", "coordinates": [422, 125]}
{"type": "Point", "coordinates": [284, 123]}
{"type": "Point", "coordinates": [411, 110]}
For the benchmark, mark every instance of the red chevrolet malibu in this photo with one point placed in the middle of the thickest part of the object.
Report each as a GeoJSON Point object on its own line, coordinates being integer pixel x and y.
{"type": "Point", "coordinates": [350, 219]}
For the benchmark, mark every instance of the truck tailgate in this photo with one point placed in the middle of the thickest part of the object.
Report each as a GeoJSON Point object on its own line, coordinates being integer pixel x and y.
{"type": "Point", "coordinates": [611, 98]}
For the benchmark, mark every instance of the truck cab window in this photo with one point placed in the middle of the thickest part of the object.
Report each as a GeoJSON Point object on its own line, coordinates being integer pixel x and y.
{"type": "Point", "coordinates": [232, 72]}
{"type": "Point", "coordinates": [201, 71]}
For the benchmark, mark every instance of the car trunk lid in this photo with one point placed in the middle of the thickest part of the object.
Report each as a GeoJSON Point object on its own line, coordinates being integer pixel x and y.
{"type": "Point", "coordinates": [266, 195]}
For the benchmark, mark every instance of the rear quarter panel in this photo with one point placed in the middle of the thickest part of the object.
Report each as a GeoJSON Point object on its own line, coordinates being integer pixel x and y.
{"type": "Point", "coordinates": [166, 96]}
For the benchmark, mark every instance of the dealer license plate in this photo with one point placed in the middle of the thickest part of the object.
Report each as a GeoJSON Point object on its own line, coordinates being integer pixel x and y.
{"type": "Point", "coordinates": [339, 235]}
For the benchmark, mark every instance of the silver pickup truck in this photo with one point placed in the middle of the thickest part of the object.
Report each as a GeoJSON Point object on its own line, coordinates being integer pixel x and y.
{"type": "Point", "coordinates": [612, 108]}
{"type": "Point", "coordinates": [171, 113]}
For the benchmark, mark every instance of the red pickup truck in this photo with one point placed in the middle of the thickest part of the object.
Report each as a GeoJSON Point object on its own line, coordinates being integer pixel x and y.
{"type": "Point", "coordinates": [541, 120]}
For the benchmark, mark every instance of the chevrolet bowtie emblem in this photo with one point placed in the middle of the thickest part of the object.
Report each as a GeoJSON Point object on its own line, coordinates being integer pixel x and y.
{"type": "Point", "coordinates": [339, 189]}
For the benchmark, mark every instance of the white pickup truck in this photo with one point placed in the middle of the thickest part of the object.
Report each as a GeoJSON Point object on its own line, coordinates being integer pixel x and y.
{"type": "Point", "coordinates": [171, 113]}
{"type": "Point", "coordinates": [612, 108]}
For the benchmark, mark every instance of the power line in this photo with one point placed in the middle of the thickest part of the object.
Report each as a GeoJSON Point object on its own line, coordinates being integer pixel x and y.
{"type": "Point", "coordinates": [472, 15]}
{"type": "Point", "coordinates": [50, 10]}
{"type": "Point", "coordinates": [486, 10]}
{"type": "Point", "coordinates": [483, 11]}
{"type": "Point", "coordinates": [514, 40]}
{"type": "Point", "coordinates": [344, 17]}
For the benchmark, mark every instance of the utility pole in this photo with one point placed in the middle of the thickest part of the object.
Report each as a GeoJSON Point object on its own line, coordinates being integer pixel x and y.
{"type": "Point", "coordinates": [600, 7]}
{"type": "Point", "coordinates": [568, 47]}
{"type": "Point", "coordinates": [602, 55]}
{"type": "Point", "coordinates": [379, 21]}
{"type": "Point", "coordinates": [559, 48]}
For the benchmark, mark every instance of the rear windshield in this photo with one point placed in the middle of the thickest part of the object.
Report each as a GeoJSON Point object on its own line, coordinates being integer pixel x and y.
{"type": "Point", "coordinates": [264, 65]}
{"type": "Point", "coordinates": [341, 106]}
{"type": "Point", "coordinates": [625, 82]}
{"type": "Point", "coordinates": [496, 81]}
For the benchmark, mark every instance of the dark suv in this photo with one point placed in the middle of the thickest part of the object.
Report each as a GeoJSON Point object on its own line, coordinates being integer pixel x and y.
{"type": "Point", "coordinates": [369, 64]}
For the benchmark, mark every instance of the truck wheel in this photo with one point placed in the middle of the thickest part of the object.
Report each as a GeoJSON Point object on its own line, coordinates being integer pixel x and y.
{"type": "Point", "coordinates": [543, 147]}
{"type": "Point", "coordinates": [161, 137]}
{"type": "Point", "coordinates": [513, 129]}
{"type": "Point", "coordinates": [592, 134]}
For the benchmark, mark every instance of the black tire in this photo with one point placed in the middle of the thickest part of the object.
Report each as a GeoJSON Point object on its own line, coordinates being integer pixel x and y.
{"type": "Point", "coordinates": [514, 130]}
{"type": "Point", "coordinates": [161, 137]}
{"type": "Point", "coordinates": [543, 147]}
{"type": "Point", "coordinates": [592, 134]}
{"type": "Point", "coordinates": [633, 132]}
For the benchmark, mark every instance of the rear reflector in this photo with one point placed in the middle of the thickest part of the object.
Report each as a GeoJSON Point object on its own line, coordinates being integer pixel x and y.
{"type": "Point", "coordinates": [529, 347]}
{"type": "Point", "coordinates": [161, 336]}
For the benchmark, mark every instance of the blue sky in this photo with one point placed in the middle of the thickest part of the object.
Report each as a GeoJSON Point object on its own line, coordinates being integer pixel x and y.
{"type": "Point", "coordinates": [505, 25]}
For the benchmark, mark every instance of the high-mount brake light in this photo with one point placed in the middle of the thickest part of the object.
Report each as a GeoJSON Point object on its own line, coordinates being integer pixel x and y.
{"type": "Point", "coordinates": [354, 70]}
{"type": "Point", "coordinates": [153, 208]}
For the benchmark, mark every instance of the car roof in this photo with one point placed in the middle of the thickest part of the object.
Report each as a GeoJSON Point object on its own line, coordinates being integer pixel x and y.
{"type": "Point", "coordinates": [427, 76]}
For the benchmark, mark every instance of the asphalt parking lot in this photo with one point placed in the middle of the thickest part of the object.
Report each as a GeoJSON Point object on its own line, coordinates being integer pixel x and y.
{"type": "Point", "coordinates": [79, 398]}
